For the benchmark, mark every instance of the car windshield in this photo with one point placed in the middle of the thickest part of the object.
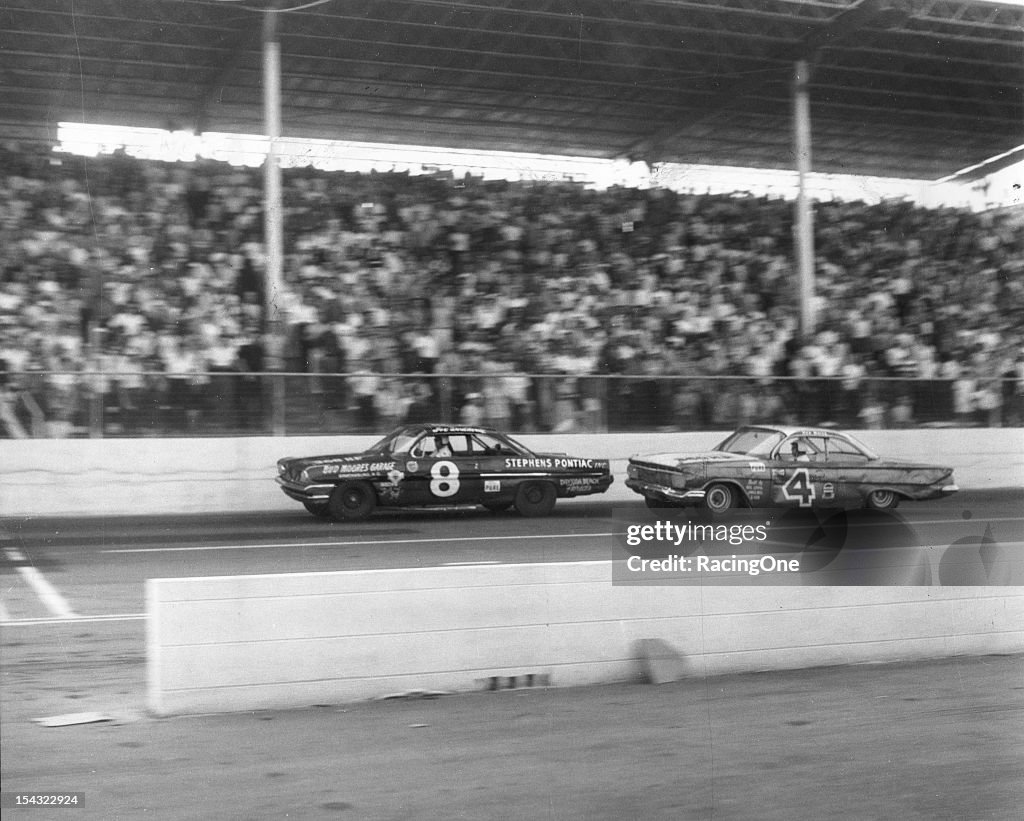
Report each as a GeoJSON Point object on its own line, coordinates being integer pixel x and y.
{"type": "Point", "coordinates": [751, 441]}
{"type": "Point", "coordinates": [398, 441]}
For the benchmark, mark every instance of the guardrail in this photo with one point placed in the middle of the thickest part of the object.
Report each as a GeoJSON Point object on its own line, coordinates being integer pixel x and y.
{"type": "Point", "coordinates": [293, 640]}
{"type": "Point", "coordinates": [155, 475]}
{"type": "Point", "coordinates": [98, 404]}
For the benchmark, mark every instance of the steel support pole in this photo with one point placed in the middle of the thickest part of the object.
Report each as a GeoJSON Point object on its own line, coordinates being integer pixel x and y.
{"type": "Point", "coordinates": [803, 223]}
{"type": "Point", "coordinates": [273, 217]}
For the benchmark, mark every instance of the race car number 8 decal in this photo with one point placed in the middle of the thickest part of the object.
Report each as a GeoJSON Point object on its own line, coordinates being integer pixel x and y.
{"type": "Point", "coordinates": [799, 487]}
{"type": "Point", "coordinates": [444, 479]}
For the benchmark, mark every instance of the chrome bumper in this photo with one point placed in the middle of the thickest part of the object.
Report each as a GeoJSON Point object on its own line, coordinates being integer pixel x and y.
{"type": "Point", "coordinates": [305, 493]}
{"type": "Point", "coordinates": [668, 494]}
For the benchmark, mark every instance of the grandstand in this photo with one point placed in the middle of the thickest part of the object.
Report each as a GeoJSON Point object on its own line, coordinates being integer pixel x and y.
{"type": "Point", "coordinates": [132, 292]}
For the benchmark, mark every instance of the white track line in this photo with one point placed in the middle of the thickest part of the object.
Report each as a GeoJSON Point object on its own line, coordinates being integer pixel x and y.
{"type": "Point", "coordinates": [523, 537]}
{"type": "Point", "coordinates": [73, 620]}
{"type": "Point", "coordinates": [464, 564]}
{"type": "Point", "coordinates": [47, 593]}
{"type": "Point", "coordinates": [450, 539]}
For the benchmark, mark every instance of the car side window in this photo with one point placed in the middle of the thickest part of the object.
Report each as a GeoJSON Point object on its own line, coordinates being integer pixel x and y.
{"type": "Point", "coordinates": [483, 444]}
{"type": "Point", "coordinates": [462, 444]}
{"type": "Point", "coordinates": [444, 446]}
{"type": "Point", "coordinates": [841, 449]}
{"type": "Point", "coordinates": [819, 448]}
{"type": "Point", "coordinates": [425, 447]}
{"type": "Point", "coordinates": [790, 451]}
{"type": "Point", "coordinates": [803, 449]}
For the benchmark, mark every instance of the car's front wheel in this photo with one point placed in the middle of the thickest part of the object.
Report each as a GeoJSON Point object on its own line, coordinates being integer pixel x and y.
{"type": "Point", "coordinates": [352, 500]}
{"type": "Point", "coordinates": [882, 500]}
{"type": "Point", "coordinates": [719, 498]}
{"type": "Point", "coordinates": [536, 498]}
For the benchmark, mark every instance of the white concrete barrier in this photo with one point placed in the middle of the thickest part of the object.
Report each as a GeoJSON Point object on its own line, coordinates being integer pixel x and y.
{"type": "Point", "coordinates": [260, 642]}
{"type": "Point", "coordinates": [137, 476]}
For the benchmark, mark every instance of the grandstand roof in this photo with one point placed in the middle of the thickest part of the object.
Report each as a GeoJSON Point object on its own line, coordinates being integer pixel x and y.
{"type": "Point", "coordinates": [908, 88]}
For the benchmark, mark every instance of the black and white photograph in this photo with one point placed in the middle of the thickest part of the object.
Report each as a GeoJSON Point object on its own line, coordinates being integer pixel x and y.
{"type": "Point", "coordinates": [420, 410]}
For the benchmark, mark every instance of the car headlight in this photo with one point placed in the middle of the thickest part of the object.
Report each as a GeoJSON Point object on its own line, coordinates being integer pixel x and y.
{"type": "Point", "coordinates": [679, 481]}
{"type": "Point", "coordinates": [631, 471]}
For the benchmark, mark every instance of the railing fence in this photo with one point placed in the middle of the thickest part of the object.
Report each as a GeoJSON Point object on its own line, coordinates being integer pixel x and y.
{"type": "Point", "coordinates": [229, 403]}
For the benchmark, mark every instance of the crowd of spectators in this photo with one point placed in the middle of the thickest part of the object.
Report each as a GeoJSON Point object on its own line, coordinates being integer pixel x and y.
{"type": "Point", "coordinates": [134, 270]}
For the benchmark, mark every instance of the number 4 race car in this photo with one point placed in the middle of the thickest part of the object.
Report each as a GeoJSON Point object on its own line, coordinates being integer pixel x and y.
{"type": "Point", "coordinates": [433, 464]}
{"type": "Point", "coordinates": [772, 466]}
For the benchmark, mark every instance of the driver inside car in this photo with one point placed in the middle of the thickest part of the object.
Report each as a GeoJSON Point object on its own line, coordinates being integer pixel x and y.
{"type": "Point", "coordinates": [442, 447]}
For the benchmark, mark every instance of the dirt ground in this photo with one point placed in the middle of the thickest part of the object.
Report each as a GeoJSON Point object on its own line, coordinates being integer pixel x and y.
{"type": "Point", "coordinates": [929, 741]}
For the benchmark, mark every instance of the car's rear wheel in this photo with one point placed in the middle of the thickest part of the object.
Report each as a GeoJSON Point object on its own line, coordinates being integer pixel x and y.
{"type": "Point", "coordinates": [497, 507]}
{"type": "Point", "coordinates": [318, 509]}
{"type": "Point", "coordinates": [719, 498]}
{"type": "Point", "coordinates": [352, 500]}
{"type": "Point", "coordinates": [536, 498]}
{"type": "Point", "coordinates": [882, 499]}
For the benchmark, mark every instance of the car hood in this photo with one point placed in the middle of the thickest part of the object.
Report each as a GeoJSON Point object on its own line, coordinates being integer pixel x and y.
{"type": "Point", "coordinates": [301, 463]}
{"type": "Point", "coordinates": [680, 460]}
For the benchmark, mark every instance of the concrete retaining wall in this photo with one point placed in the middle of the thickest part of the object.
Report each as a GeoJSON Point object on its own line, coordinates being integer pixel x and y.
{"type": "Point", "coordinates": [136, 476]}
{"type": "Point", "coordinates": [256, 642]}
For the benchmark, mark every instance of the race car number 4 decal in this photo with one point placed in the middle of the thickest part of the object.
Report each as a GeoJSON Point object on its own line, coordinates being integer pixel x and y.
{"type": "Point", "coordinates": [798, 487]}
{"type": "Point", "coordinates": [444, 479]}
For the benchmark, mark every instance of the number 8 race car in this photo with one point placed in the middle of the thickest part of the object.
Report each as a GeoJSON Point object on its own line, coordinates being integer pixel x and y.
{"type": "Point", "coordinates": [771, 466]}
{"type": "Point", "coordinates": [433, 464]}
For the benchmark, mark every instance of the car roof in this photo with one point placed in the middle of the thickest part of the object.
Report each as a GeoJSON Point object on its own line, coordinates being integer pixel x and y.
{"type": "Point", "coordinates": [446, 428]}
{"type": "Point", "coordinates": [792, 430]}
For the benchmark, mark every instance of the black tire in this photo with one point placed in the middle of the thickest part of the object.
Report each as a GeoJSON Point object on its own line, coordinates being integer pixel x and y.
{"type": "Point", "coordinates": [536, 498]}
{"type": "Point", "coordinates": [719, 498]}
{"type": "Point", "coordinates": [882, 500]}
{"type": "Point", "coordinates": [352, 500]}
{"type": "Point", "coordinates": [318, 509]}
{"type": "Point", "coordinates": [497, 507]}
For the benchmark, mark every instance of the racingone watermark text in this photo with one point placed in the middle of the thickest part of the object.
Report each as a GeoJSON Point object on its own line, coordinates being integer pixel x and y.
{"type": "Point", "coordinates": [674, 563]}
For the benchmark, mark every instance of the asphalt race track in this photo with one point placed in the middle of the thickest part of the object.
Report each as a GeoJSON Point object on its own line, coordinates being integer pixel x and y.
{"type": "Point", "coordinates": [96, 567]}
{"type": "Point", "coordinates": [935, 740]}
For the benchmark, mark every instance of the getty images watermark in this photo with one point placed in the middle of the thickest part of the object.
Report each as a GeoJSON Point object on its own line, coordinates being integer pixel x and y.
{"type": "Point", "coordinates": [666, 546]}
{"type": "Point", "coordinates": [666, 549]}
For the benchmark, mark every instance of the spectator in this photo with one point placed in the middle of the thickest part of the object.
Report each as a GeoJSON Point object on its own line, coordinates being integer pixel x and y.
{"type": "Point", "coordinates": [472, 412]}
{"type": "Point", "coordinates": [553, 277]}
{"type": "Point", "coordinates": [965, 390]}
{"type": "Point", "coordinates": [366, 384]}
{"type": "Point", "coordinates": [902, 413]}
